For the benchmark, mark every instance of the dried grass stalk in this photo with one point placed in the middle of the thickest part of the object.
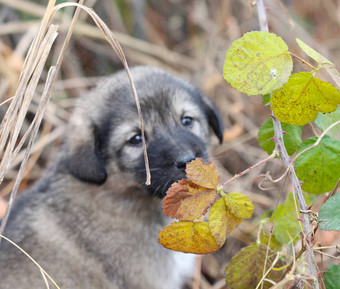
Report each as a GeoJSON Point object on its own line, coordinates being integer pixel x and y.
{"type": "Point", "coordinates": [19, 118]}
{"type": "Point", "coordinates": [30, 75]}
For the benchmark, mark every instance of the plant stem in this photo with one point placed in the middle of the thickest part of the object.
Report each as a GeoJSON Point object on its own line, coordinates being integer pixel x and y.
{"type": "Point", "coordinates": [273, 155]}
{"type": "Point", "coordinates": [286, 160]}
{"type": "Point", "coordinates": [304, 61]}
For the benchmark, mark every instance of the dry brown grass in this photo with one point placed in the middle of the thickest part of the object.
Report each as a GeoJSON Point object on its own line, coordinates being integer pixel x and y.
{"type": "Point", "coordinates": [10, 142]}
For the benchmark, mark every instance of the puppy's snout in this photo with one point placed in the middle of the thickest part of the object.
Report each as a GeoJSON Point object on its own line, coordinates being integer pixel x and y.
{"type": "Point", "coordinates": [182, 160]}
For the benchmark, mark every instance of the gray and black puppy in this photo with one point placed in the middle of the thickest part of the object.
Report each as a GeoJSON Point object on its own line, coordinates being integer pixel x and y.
{"type": "Point", "coordinates": [90, 222]}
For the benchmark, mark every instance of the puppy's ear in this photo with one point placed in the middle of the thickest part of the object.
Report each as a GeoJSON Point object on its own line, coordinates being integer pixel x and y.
{"type": "Point", "coordinates": [85, 161]}
{"type": "Point", "coordinates": [214, 118]}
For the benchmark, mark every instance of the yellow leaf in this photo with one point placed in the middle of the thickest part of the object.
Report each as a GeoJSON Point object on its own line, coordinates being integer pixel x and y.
{"type": "Point", "coordinates": [302, 97]}
{"type": "Point", "coordinates": [221, 221]}
{"type": "Point", "coordinates": [239, 205]}
{"type": "Point", "coordinates": [232, 222]}
{"type": "Point", "coordinates": [187, 201]}
{"type": "Point", "coordinates": [218, 221]}
{"type": "Point", "coordinates": [257, 63]}
{"type": "Point", "coordinates": [188, 237]}
{"type": "Point", "coordinates": [204, 175]}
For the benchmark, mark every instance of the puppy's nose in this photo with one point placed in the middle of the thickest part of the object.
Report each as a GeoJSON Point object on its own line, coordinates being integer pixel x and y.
{"type": "Point", "coordinates": [182, 160]}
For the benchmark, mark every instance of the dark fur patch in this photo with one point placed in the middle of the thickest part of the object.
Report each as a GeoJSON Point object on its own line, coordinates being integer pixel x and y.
{"type": "Point", "coordinates": [168, 155]}
{"type": "Point", "coordinates": [87, 165]}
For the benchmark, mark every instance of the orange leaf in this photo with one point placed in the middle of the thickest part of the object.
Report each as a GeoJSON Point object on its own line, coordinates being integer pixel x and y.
{"type": "Point", "coordinates": [195, 206]}
{"type": "Point", "coordinates": [187, 201]}
{"type": "Point", "coordinates": [188, 237]}
{"type": "Point", "coordinates": [204, 175]}
{"type": "Point", "coordinates": [174, 196]}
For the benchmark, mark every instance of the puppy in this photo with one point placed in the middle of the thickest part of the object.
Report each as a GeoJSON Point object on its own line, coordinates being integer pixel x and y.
{"type": "Point", "coordinates": [91, 222]}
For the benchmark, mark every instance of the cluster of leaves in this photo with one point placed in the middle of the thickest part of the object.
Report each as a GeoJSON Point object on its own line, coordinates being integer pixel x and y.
{"type": "Point", "coordinates": [260, 63]}
{"type": "Point", "coordinates": [189, 200]}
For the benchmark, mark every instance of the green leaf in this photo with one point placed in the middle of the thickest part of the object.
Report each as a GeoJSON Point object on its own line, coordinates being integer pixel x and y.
{"type": "Point", "coordinates": [319, 167]}
{"type": "Point", "coordinates": [266, 98]}
{"type": "Point", "coordinates": [312, 53]}
{"type": "Point", "coordinates": [274, 244]}
{"type": "Point", "coordinates": [332, 277]}
{"type": "Point", "coordinates": [287, 226]}
{"type": "Point", "coordinates": [329, 215]}
{"type": "Point", "coordinates": [323, 121]}
{"type": "Point", "coordinates": [292, 139]}
{"type": "Point", "coordinates": [245, 270]}
{"type": "Point", "coordinates": [257, 63]}
{"type": "Point", "coordinates": [302, 97]}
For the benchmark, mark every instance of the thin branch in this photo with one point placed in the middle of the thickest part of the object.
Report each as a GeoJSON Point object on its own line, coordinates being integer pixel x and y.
{"type": "Point", "coordinates": [334, 190]}
{"type": "Point", "coordinates": [277, 258]}
{"type": "Point", "coordinates": [302, 60]}
{"type": "Point", "coordinates": [7, 100]}
{"type": "Point", "coordinates": [44, 273]}
{"type": "Point", "coordinates": [325, 254]}
{"type": "Point", "coordinates": [326, 247]}
{"type": "Point", "coordinates": [272, 231]}
{"type": "Point", "coordinates": [287, 162]}
{"type": "Point", "coordinates": [273, 155]}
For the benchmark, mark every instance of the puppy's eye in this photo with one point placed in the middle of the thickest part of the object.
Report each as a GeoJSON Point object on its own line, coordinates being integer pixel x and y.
{"type": "Point", "coordinates": [187, 121]}
{"type": "Point", "coordinates": [136, 140]}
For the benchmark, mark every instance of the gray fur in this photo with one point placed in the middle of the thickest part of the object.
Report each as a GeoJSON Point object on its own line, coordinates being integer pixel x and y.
{"type": "Point", "coordinates": [90, 222]}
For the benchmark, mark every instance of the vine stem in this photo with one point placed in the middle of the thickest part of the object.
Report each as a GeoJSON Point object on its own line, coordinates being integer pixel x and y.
{"type": "Point", "coordinates": [286, 160]}
{"type": "Point", "coordinates": [273, 155]}
{"type": "Point", "coordinates": [292, 161]}
{"type": "Point", "coordinates": [302, 60]}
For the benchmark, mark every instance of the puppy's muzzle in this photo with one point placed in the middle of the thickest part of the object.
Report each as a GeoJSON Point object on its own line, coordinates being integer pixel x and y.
{"type": "Point", "coordinates": [168, 155]}
{"type": "Point", "coordinates": [182, 160]}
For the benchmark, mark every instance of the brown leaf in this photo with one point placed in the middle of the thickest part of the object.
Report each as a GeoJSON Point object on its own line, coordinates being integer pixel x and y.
{"type": "Point", "coordinates": [174, 196]}
{"type": "Point", "coordinates": [188, 237]}
{"type": "Point", "coordinates": [195, 206]}
{"type": "Point", "coordinates": [187, 201]}
{"type": "Point", "coordinates": [192, 187]}
{"type": "Point", "coordinates": [204, 175]}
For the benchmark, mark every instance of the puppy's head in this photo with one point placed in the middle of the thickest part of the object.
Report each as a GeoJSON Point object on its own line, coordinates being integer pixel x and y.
{"type": "Point", "coordinates": [105, 137]}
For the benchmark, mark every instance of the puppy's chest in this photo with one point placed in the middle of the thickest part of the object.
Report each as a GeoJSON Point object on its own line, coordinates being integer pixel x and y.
{"type": "Point", "coordinates": [184, 266]}
{"type": "Point", "coordinates": [173, 269]}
